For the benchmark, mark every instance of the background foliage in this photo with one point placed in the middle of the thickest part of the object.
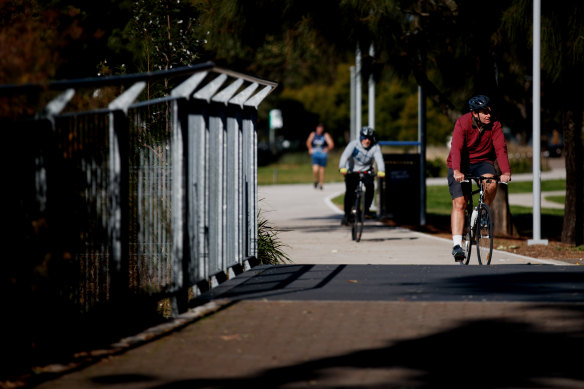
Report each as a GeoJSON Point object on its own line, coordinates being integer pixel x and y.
{"type": "Point", "coordinates": [452, 48]}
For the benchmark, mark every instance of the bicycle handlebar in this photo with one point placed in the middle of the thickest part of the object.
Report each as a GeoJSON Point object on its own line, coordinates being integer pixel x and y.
{"type": "Point", "coordinates": [494, 179]}
{"type": "Point", "coordinates": [365, 172]}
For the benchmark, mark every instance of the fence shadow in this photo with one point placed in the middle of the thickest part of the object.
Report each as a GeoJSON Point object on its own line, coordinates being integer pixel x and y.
{"type": "Point", "coordinates": [491, 353]}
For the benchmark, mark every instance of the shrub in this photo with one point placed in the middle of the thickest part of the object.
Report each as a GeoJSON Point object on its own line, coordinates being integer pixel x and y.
{"type": "Point", "coordinates": [270, 248]}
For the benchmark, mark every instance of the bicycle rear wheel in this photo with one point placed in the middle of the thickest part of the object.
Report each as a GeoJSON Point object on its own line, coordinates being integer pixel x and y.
{"type": "Point", "coordinates": [359, 214]}
{"type": "Point", "coordinates": [484, 235]}
{"type": "Point", "coordinates": [467, 239]}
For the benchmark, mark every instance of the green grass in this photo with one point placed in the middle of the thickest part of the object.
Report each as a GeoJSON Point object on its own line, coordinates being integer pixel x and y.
{"type": "Point", "coordinates": [438, 202]}
{"type": "Point", "coordinates": [556, 199]}
{"type": "Point", "coordinates": [519, 210]}
{"type": "Point", "coordinates": [527, 186]}
{"type": "Point", "coordinates": [438, 199]}
{"type": "Point", "coordinates": [296, 168]}
{"type": "Point", "coordinates": [339, 200]}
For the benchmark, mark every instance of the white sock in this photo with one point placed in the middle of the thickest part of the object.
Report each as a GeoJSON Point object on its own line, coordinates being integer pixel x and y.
{"type": "Point", "coordinates": [456, 240]}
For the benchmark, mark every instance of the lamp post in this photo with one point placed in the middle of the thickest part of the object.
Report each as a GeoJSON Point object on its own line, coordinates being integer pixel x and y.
{"type": "Point", "coordinates": [536, 137]}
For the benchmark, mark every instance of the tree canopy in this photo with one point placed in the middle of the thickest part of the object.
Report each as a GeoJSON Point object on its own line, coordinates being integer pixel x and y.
{"type": "Point", "coordinates": [452, 48]}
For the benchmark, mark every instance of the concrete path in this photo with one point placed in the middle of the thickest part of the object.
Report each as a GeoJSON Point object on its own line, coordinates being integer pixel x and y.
{"type": "Point", "coordinates": [310, 228]}
{"type": "Point", "coordinates": [340, 317]}
{"type": "Point", "coordinates": [526, 199]}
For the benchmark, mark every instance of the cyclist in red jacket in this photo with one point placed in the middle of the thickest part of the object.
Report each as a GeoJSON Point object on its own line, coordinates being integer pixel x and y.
{"type": "Point", "coordinates": [477, 141]}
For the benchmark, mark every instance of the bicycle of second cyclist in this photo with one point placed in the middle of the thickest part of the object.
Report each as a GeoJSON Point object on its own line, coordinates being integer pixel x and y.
{"type": "Point", "coordinates": [478, 223]}
{"type": "Point", "coordinates": [358, 209]}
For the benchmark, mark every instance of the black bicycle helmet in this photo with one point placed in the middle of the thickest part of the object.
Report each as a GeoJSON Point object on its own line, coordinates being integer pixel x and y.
{"type": "Point", "coordinates": [479, 102]}
{"type": "Point", "coordinates": [367, 132]}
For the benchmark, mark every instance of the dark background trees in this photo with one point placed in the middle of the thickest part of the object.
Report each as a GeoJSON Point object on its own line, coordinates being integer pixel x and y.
{"type": "Point", "coordinates": [452, 48]}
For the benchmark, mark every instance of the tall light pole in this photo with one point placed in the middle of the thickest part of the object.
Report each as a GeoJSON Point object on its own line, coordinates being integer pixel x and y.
{"type": "Point", "coordinates": [536, 137]}
{"type": "Point", "coordinates": [358, 92]}
{"type": "Point", "coordinates": [352, 130]}
{"type": "Point", "coordinates": [371, 96]}
{"type": "Point", "coordinates": [422, 148]}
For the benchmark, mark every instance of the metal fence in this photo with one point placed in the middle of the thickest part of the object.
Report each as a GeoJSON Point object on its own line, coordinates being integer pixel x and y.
{"type": "Point", "coordinates": [147, 197]}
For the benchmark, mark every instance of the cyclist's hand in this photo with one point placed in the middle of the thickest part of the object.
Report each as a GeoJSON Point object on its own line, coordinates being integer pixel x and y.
{"type": "Point", "coordinates": [343, 171]}
{"type": "Point", "coordinates": [505, 177]}
{"type": "Point", "coordinates": [458, 175]}
{"type": "Point", "coordinates": [380, 174]}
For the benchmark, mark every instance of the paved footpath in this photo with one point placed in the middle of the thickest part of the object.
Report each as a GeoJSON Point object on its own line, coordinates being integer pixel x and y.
{"type": "Point", "coordinates": [392, 311]}
{"type": "Point", "coordinates": [310, 228]}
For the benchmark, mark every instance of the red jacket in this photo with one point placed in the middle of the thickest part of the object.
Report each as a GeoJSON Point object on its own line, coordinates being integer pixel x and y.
{"type": "Point", "coordinates": [467, 147]}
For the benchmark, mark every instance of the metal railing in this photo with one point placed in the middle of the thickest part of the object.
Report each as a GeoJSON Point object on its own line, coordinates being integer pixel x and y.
{"type": "Point", "coordinates": [147, 197]}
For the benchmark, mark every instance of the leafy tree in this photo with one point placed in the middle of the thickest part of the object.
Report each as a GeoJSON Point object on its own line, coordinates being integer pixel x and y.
{"type": "Point", "coordinates": [562, 61]}
{"type": "Point", "coordinates": [563, 38]}
{"type": "Point", "coordinates": [164, 34]}
{"type": "Point", "coordinates": [28, 51]}
{"type": "Point", "coordinates": [453, 49]}
{"type": "Point", "coordinates": [328, 103]}
{"type": "Point", "coordinates": [25, 54]}
{"type": "Point", "coordinates": [84, 33]}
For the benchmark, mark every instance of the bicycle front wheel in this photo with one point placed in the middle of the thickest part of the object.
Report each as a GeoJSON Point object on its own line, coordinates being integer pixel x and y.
{"type": "Point", "coordinates": [359, 216]}
{"type": "Point", "coordinates": [354, 216]}
{"type": "Point", "coordinates": [484, 235]}
{"type": "Point", "coordinates": [467, 239]}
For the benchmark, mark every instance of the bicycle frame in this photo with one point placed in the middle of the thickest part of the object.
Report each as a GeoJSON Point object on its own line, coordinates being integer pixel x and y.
{"type": "Point", "coordinates": [480, 183]}
{"type": "Point", "coordinates": [359, 207]}
{"type": "Point", "coordinates": [360, 184]}
{"type": "Point", "coordinates": [478, 222]}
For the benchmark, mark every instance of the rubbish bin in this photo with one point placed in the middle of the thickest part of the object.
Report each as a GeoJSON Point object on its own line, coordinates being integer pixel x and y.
{"type": "Point", "coordinates": [399, 191]}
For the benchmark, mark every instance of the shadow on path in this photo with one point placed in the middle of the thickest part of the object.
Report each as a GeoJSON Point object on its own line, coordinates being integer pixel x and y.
{"type": "Point", "coordinates": [490, 353]}
{"type": "Point", "coordinates": [529, 283]}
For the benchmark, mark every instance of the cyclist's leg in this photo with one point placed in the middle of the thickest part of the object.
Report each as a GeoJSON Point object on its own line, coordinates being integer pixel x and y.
{"type": "Point", "coordinates": [350, 185]}
{"type": "Point", "coordinates": [459, 201]}
{"type": "Point", "coordinates": [486, 169]}
{"type": "Point", "coordinates": [459, 193]}
{"type": "Point", "coordinates": [368, 181]}
{"type": "Point", "coordinates": [359, 217]}
{"type": "Point", "coordinates": [457, 216]}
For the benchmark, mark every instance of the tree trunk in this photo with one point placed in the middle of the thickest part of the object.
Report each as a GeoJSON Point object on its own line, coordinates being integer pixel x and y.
{"type": "Point", "coordinates": [573, 227]}
{"type": "Point", "coordinates": [502, 220]}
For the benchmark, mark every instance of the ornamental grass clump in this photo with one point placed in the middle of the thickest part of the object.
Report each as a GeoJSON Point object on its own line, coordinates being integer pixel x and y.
{"type": "Point", "coordinates": [270, 247]}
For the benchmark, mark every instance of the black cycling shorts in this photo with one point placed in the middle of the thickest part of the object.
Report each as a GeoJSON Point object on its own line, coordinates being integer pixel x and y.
{"type": "Point", "coordinates": [458, 189]}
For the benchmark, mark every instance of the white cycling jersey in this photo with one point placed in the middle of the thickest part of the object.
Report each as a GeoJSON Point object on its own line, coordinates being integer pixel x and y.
{"type": "Point", "coordinates": [358, 158]}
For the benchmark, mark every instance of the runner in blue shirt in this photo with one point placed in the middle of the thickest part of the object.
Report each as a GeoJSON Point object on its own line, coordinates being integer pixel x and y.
{"type": "Point", "coordinates": [319, 143]}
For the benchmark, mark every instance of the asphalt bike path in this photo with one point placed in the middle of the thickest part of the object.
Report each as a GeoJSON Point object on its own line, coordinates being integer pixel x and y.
{"type": "Point", "coordinates": [391, 311]}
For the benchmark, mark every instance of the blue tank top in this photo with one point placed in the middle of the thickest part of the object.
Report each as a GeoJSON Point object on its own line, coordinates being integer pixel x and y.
{"type": "Point", "coordinates": [319, 142]}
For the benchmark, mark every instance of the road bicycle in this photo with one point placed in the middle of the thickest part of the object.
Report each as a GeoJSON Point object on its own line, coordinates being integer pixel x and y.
{"type": "Point", "coordinates": [358, 209]}
{"type": "Point", "coordinates": [478, 223]}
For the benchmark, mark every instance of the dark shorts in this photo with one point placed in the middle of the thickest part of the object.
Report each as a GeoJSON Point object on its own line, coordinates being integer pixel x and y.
{"type": "Point", "coordinates": [458, 189]}
{"type": "Point", "coordinates": [319, 158]}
